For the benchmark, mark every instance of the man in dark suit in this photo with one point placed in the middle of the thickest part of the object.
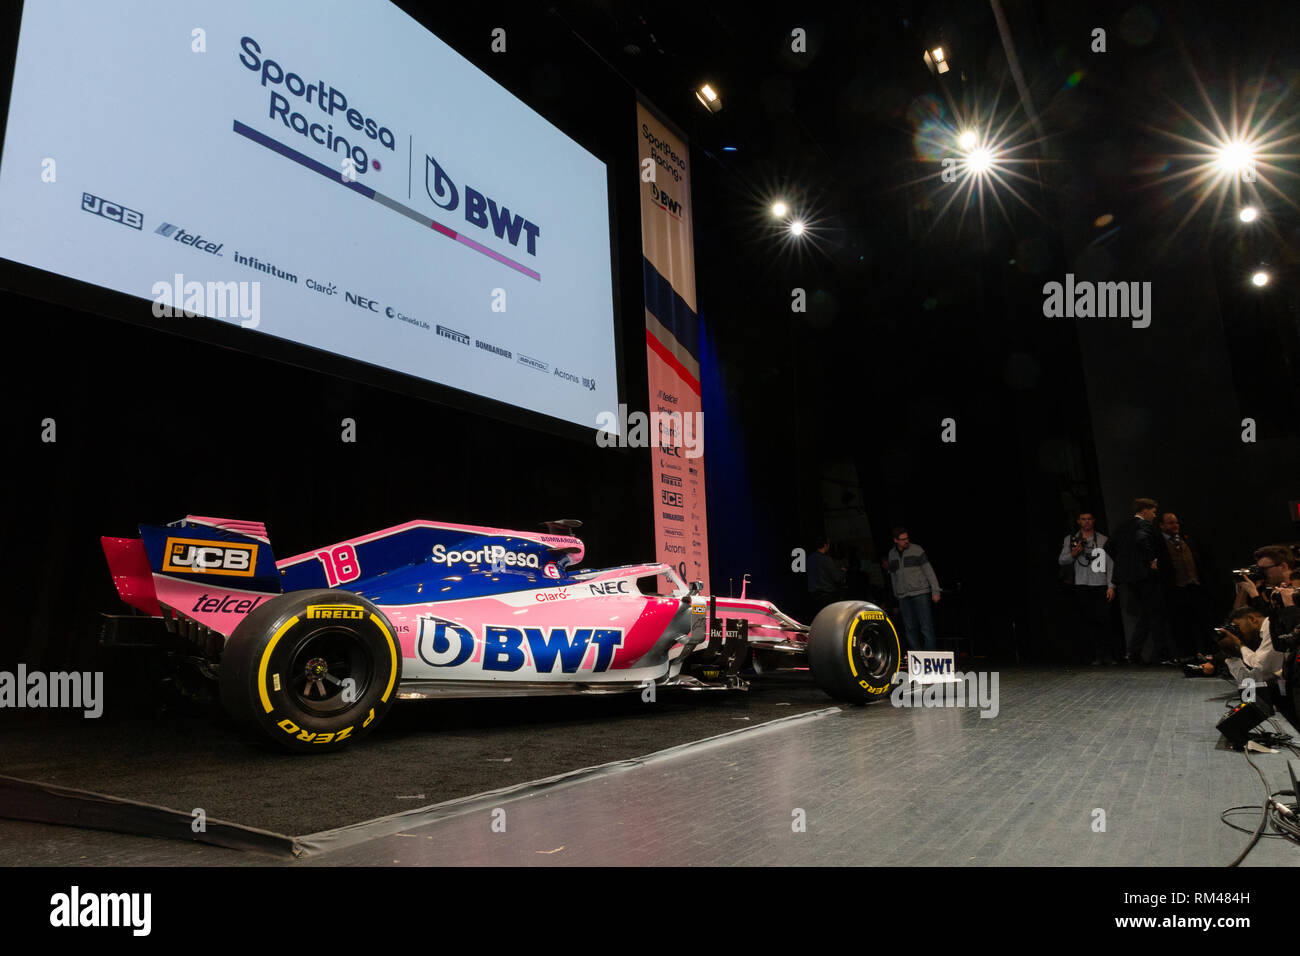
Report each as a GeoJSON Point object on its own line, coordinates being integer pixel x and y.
{"type": "Point", "coordinates": [1183, 571]}
{"type": "Point", "coordinates": [1133, 547]}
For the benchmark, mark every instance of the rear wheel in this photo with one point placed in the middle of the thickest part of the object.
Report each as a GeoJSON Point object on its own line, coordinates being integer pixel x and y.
{"type": "Point", "coordinates": [312, 670]}
{"type": "Point", "coordinates": [853, 651]}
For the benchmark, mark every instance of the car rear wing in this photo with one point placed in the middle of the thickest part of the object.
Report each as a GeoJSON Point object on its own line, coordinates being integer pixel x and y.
{"type": "Point", "coordinates": [209, 570]}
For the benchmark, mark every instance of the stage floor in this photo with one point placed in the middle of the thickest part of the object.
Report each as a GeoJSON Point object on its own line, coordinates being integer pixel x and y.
{"type": "Point", "coordinates": [870, 786]}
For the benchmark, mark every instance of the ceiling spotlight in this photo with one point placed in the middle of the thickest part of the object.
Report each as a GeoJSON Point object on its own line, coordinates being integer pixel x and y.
{"type": "Point", "coordinates": [1235, 156]}
{"type": "Point", "coordinates": [967, 139]}
{"type": "Point", "coordinates": [796, 228]}
{"type": "Point", "coordinates": [779, 209]}
{"type": "Point", "coordinates": [1260, 278]}
{"type": "Point", "coordinates": [934, 59]}
{"type": "Point", "coordinates": [709, 98]}
{"type": "Point", "coordinates": [1248, 214]}
{"type": "Point", "coordinates": [980, 160]}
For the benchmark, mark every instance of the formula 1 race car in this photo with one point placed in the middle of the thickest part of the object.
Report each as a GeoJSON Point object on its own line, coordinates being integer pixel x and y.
{"type": "Point", "coordinates": [313, 650]}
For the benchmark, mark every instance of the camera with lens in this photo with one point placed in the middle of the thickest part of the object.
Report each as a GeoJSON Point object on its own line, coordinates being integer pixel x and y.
{"type": "Point", "coordinates": [1254, 573]}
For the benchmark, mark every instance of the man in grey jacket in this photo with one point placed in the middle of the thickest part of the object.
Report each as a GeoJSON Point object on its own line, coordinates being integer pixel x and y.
{"type": "Point", "coordinates": [1091, 580]}
{"type": "Point", "coordinates": [916, 588]}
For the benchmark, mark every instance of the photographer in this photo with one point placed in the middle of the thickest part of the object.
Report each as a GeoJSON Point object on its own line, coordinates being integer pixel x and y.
{"type": "Point", "coordinates": [1258, 645]}
{"type": "Point", "coordinates": [1087, 569]}
{"type": "Point", "coordinates": [1272, 570]}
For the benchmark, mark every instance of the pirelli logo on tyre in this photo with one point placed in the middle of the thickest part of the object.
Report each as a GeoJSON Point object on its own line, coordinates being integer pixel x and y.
{"type": "Point", "coordinates": [338, 612]}
{"type": "Point", "coordinates": [199, 556]}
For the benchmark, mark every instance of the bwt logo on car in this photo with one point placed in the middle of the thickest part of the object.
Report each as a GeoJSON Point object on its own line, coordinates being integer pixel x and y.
{"type": "Point", "coordinates": [479, 209]}
{"type": "Point", "coordinates": [493, 554]}
{"type": "Point", "coordinates": [442, 644]}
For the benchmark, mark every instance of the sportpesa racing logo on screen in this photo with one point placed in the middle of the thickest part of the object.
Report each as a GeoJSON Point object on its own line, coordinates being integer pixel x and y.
{"type": "Point", "coordinates": [325, 98]}
{"type": "Point", "coordinates": [295, 102]}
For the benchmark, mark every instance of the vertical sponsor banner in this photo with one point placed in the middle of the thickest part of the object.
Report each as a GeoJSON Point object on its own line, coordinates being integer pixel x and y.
{"type": "Point", "coordinates": [672, 349]}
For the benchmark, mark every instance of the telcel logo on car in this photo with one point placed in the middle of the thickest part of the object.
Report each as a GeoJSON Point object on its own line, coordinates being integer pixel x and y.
{"type": "Point", "coordinates": [494, 554]}
{"type": "Point", "coordinates": [196, 556]}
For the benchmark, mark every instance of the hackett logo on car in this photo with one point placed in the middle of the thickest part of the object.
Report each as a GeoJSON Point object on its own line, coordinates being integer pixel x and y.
{"type": "Point", "coordinates": [196, 556]}
{"type": "Point", "coordinates": [494, 554]}
{"type": "Point", "coordinates": [480, 210]}
{"type": "Point", "coordinates": [111, 210]}
{"type": "Point", "coordinates": [337, 612]}
{"type": "Point", "coordinates": [177, 234]}
{"type": "Point", "coordinates": [452, 334]}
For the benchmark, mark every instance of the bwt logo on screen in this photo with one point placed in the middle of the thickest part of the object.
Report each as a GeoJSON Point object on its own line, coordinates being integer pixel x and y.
{"type": "Point", "coordinates": [480, 210]}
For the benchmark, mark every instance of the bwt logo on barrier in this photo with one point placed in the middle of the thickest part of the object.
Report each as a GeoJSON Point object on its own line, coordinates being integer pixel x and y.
{"type": "Point", "coordinates": [480, 210]}
{"type": "Point", "coordinates": [674, 432]}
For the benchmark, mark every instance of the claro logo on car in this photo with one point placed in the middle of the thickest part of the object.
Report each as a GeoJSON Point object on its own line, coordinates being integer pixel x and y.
{"type": "Point", "coordinates": [196, 556]}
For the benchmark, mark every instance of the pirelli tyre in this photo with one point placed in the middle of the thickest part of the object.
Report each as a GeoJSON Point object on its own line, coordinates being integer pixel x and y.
{"type": "Point", "coordinates": [312, 670]}
{"type": "Point", "coordinates": [854, 652]}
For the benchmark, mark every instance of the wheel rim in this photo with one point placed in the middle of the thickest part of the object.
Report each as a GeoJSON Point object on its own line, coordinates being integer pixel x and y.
{"type": "Point", "coordinates": [874, 650]}
{"type": "Point", "coordinates": [322, 664]}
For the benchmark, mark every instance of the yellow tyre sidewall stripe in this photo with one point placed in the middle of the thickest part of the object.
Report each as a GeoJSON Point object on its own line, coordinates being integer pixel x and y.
{"type": "Point", "coordinates": [275, 639]}
{"type": "Point", "coordinates": [266, 660]}
{"type": "Point", "coordinates": [392, 653]}
{"type": "Point", "coordinates": [848, 644]}
{"type": "Point", "coordinates": [898, 648]}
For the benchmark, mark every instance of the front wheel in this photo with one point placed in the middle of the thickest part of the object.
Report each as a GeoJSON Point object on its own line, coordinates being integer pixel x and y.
{"type": "Point", "coordinates": [313, 670]}
{"type": "Point", "coordinates": [853, 651]}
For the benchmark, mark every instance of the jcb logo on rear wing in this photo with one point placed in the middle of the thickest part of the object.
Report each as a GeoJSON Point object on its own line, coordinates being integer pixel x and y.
{"type": "Point", "coordinates": [196, 556]}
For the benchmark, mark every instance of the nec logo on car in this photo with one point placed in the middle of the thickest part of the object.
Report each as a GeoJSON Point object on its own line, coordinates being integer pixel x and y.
{"type": "Point", "coordinates": [112, 210]}
{"type": "Point", "coordinates": [196, 556]}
